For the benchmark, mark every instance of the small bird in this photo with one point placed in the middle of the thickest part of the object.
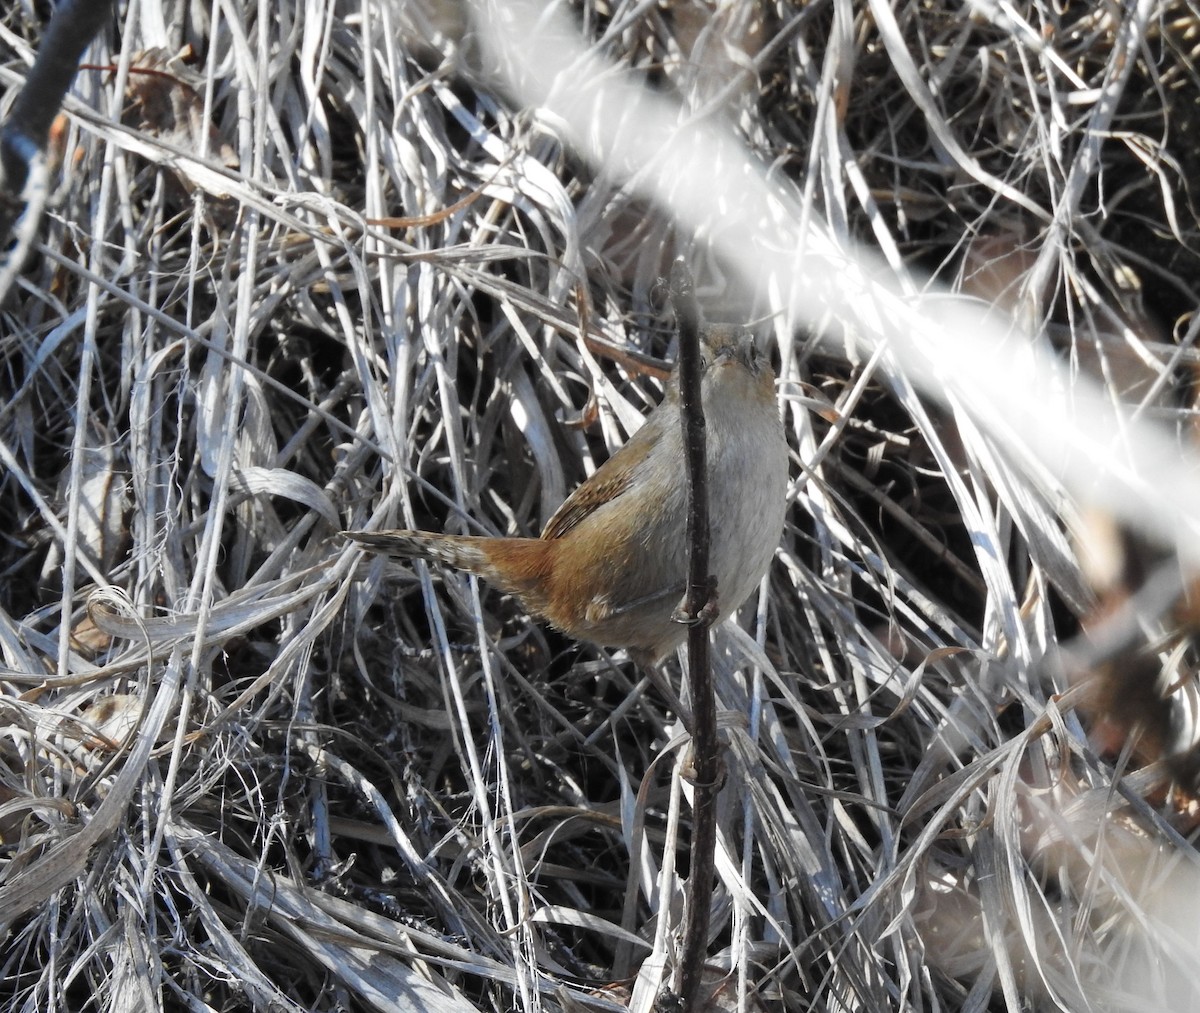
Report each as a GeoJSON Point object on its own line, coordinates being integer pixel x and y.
{"type": "Point", "coordinates": [611, 565]}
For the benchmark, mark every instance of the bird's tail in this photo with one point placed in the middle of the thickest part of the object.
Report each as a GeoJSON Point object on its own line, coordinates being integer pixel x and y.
{"type": "Point", "coordinates": [517, 565]}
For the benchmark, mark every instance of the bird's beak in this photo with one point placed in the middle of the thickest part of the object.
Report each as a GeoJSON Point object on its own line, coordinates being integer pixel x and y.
{"type": "Point", "coordinates": [740, 348]}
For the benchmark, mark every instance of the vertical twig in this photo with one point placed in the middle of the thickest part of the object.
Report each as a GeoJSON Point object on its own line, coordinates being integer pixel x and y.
{"type": "Point", "coordinates": [73, 26]}
{"type": "Point", "coordinates": [23, 137]}
{"type": "Point", "coordinates": [699, 609]}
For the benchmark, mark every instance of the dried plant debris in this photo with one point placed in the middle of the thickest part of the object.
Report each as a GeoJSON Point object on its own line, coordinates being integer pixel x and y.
{"type": "Point", "coordinates": [307, 269]}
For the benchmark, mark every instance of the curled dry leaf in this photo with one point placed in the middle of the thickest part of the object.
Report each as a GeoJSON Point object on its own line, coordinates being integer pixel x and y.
{"type": "Point", "coordinates": [111, 719]}
{"type": "Point", "coordinates": [166, 102]}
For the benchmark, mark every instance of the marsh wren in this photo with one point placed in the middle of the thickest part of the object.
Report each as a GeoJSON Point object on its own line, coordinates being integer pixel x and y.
{"type": "Point", "coordinates": [611, 565]}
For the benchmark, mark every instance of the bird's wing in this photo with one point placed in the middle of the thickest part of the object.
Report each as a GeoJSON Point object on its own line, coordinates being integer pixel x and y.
{"type": "Point", "coordinates": [611, 479]}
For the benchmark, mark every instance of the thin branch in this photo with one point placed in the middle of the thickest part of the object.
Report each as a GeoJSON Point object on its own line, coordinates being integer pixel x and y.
{"type": "Point", "coordinates": [23, 137]}
{"type": "Point", "coordinates": [71, 29]}
{"type": "Point", "coordinates": [699, 609]}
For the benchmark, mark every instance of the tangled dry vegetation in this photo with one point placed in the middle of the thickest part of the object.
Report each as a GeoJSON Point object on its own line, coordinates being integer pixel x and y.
{"type": "Point", "coordinates": [310, 267]}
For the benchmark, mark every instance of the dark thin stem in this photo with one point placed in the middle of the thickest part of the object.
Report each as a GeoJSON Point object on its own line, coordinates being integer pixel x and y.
{"type": "Point", "coordinates": [698, 612]}
{"type": "Point", "coordinates": [73, 26]}
{"type": "Point", "coordinates": [687, 320]}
